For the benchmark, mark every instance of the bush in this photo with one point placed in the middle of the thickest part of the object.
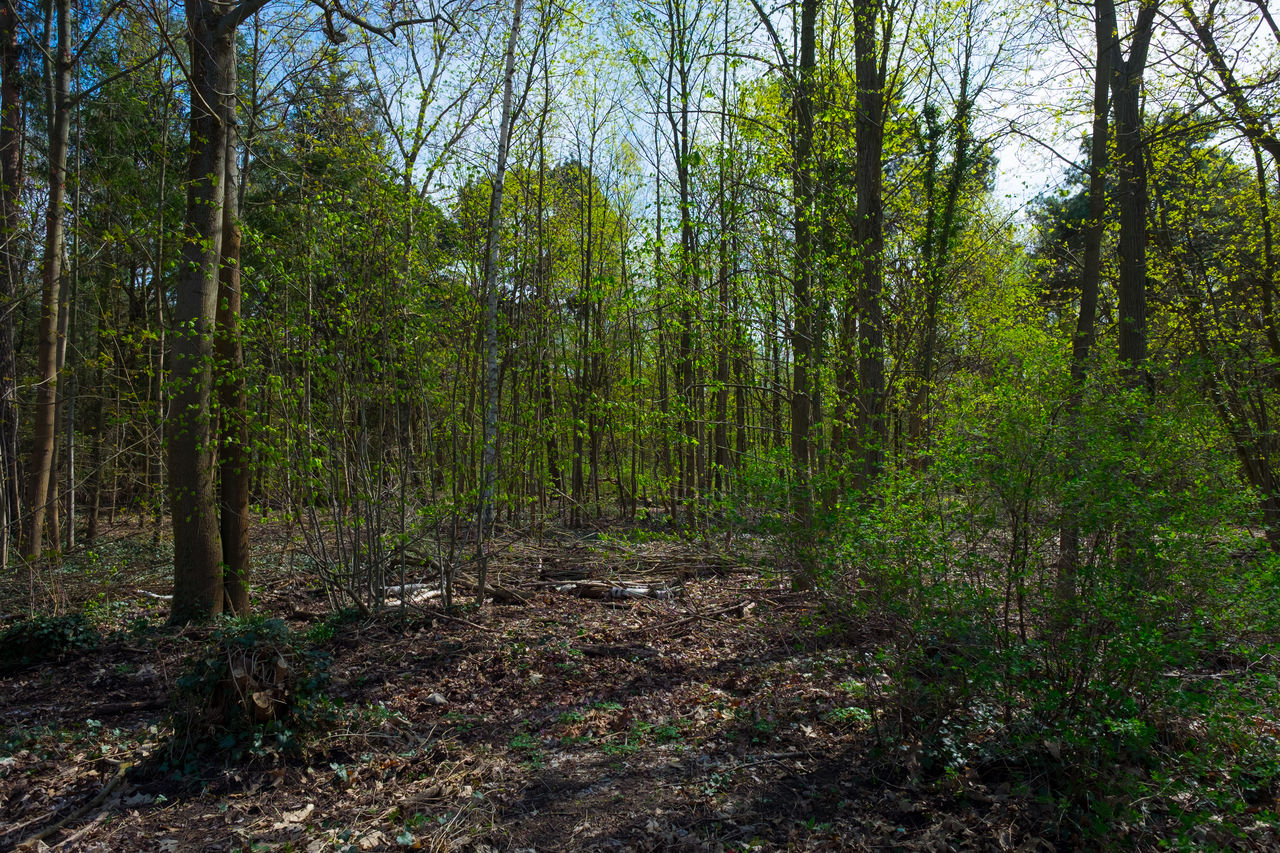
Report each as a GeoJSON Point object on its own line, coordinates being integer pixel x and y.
{"type": "Point", "coordinates": [254, 691]}
{"type": "Point", "coordinates": [44, 639]}
{"type": "Point", "coordinates": [1081, 694]}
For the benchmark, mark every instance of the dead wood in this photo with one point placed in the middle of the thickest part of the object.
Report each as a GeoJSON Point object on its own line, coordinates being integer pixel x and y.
{"type": "Point", "coordinates": [30, 842]}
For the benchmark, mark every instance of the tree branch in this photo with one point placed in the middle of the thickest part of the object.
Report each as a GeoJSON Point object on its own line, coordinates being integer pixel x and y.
{"type": "Point", "coordinates": [388, 32]}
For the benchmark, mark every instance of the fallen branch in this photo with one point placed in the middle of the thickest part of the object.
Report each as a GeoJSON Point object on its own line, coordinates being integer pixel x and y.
{"type": "Point", "coordinates": [739, 610]}
{"type": "Point", "coordinates": [440, 614]}
{"type": "Point", "coordinates": [32, 840]}
{"type": "Point", "coordinates": [154, 595]}
{"type": "Point", "coordinates": [500, 594]}
{"type": "Point", "coordinates": [110, 708]}
{"type": "Point", "coordinates": [612, 592]}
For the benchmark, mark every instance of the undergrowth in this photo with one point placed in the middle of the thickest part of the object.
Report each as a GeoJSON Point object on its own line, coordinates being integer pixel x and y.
{"type": "Point", "coordinates": [1131, 692]}
{"type": "Point", "coordinates": [255, 691]}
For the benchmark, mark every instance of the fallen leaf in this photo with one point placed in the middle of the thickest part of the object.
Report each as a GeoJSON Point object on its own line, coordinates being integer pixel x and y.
{"type": "Point", "coordinates": [299, 815]}
{"type": "Point", "coordinates": [294, 819]}
{"type": "Point", "coordinates": [372, 840]}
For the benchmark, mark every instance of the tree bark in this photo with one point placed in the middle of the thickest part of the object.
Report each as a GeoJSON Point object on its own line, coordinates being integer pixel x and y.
{"type": "Point", "coordinates": [11, 178]}
{"type": "Point", "coordinates": [802, 284]}
{"type": "Point", "coordinates": [42, 431]}
{"type": "Point", "coordinates": [1090, 277]}
{"type": "Point", "coordinates": [233, 401]}
{"type": "Point", "coordinates": [869, 239]}
{"type": "Point", "coordinates": [1126, 96]}
{"type": "Point", "coordinates": [490, 458]}
{"type": "Point", "coordinates": [197, 549]}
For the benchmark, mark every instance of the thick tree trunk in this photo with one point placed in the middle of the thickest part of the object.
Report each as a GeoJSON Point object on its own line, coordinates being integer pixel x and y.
{"type": "Point", "coordinates": [197, 549]}
{"type": "Point", "coordinates": [42, 432]}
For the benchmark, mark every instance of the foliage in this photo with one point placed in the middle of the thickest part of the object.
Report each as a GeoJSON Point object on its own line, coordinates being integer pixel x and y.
{"type": "Point", "coordinates": [1093, 689]}
{"type": "Point", "coordinates": [254, 692]}
{"type": "Point", "coordinates": [45, 639]}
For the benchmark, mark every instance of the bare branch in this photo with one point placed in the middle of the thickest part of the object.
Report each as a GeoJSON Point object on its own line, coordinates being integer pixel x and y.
{"type": "Point", "coordinates": [388, 32]}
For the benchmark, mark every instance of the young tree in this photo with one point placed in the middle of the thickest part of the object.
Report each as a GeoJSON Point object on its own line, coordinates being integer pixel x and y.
{"type": "Point", "coordinates": [492, 234]}
{"type": "Point", "coordinates": [11, 177]}
{"type": "Point", "coordinates": [58, 66]}
{"type": "Point", "coordinates": [1090, 276]}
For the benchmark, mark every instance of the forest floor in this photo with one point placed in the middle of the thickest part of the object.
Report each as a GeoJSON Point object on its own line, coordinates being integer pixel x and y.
{"type": "Point", "coordinates": [725, 717]}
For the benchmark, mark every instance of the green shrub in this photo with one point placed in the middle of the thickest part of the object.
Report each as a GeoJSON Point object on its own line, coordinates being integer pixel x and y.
{"type": "Point", "coordinates": [1142, 681]}
{"type": "Point", "coordinates": [43, 639]}
{"type": "Point", "coordinates": [252, 692]}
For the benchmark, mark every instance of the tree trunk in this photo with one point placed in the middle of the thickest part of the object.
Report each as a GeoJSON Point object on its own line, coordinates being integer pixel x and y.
{"type": "Point", "coordinates": [1126, 95]}
{"type": "Point", "coordinates": [490, 459]}
{"type": "Point", "coordinates": [11, 178]}
{"type": "Point", "coordinates": [802, 284]}
{"type": "Point", "coordinates": [233, 402]}
{"type": "Point", "coordinates": [197, 549]}
{"type": "Point", "coordinates": [1090, 276]}
{"type": "Point", "coordinates": [42, 432]}
{"type": "Point", "coordinates": [869, 239]}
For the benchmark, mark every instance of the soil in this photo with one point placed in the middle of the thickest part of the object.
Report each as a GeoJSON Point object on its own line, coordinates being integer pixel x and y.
{"type": "Point", "coordinates": [723, 717]}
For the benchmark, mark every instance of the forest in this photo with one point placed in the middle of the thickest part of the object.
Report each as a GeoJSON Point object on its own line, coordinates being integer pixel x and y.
{"type": "Point", "coordinates": [639, 425]}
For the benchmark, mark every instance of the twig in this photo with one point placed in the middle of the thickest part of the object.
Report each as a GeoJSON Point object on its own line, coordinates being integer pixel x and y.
{"type": "Point", "coordinates": [709, 616]}
{"type": "Point", "coordinates": [83, 831]}
{"type": "Point", "coordinates": [768, 759]}
{"type": "Point", "coordinates": [446, 616]}
{"type": "Point", "coordinates": [30, 841]}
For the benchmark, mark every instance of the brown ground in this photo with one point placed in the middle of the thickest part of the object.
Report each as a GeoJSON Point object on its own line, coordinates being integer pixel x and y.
{"type": "Point", "coordinates": [567, 724]}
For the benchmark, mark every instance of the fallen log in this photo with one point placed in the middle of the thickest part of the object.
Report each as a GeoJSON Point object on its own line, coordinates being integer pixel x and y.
{"type": "Point", "coordinates": [604, 591]}
{"type": "Point", "coordinates": [500, 594]}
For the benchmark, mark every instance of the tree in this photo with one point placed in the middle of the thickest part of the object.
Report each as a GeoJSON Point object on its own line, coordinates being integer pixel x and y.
{"type": "Point", "coordinates": [58, 104]}
{"type": "Point", "coordinates": [199, 571]}
{"type": "Point", "coordinates": [492, 233]}
{"type": "Point", "coordinates": [1131, 191]}
{"type": "Point", "coordinates": [11, 177]}
{"type": "Point", "coordinates": [1090, 276]}
{"type": "Point", "coordinates": [872, 31]}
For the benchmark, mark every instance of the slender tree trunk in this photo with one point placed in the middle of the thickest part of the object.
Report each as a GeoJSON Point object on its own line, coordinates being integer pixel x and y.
{"type": "Point", "coordinates": [43, 429]}
{"type": "Point", "coordinates": [93, 484]}
{"type": "Point", "coordinates": [493, 233]}
{"type": "Point", "coordinates": [871, 421]}
{"type": "Point", "coordinates": [233, 401]}
{"type": "Point", "coordinates": [937, 255]}
{"type": "Point", "coordinates": [802, 283]}
{"type": "Point", "coordinates": [1090, 276]}
{"type": "Point", "coordinates": [11, 178]}
{"type": "Point", "coordinates": [724, 340]}
{"type": "Point", "coordinates": [1131, 195]}
{"type": "Point", "coordinates": [155, 466]}
{"type": "Point", "coordinates": [1131, 205]}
